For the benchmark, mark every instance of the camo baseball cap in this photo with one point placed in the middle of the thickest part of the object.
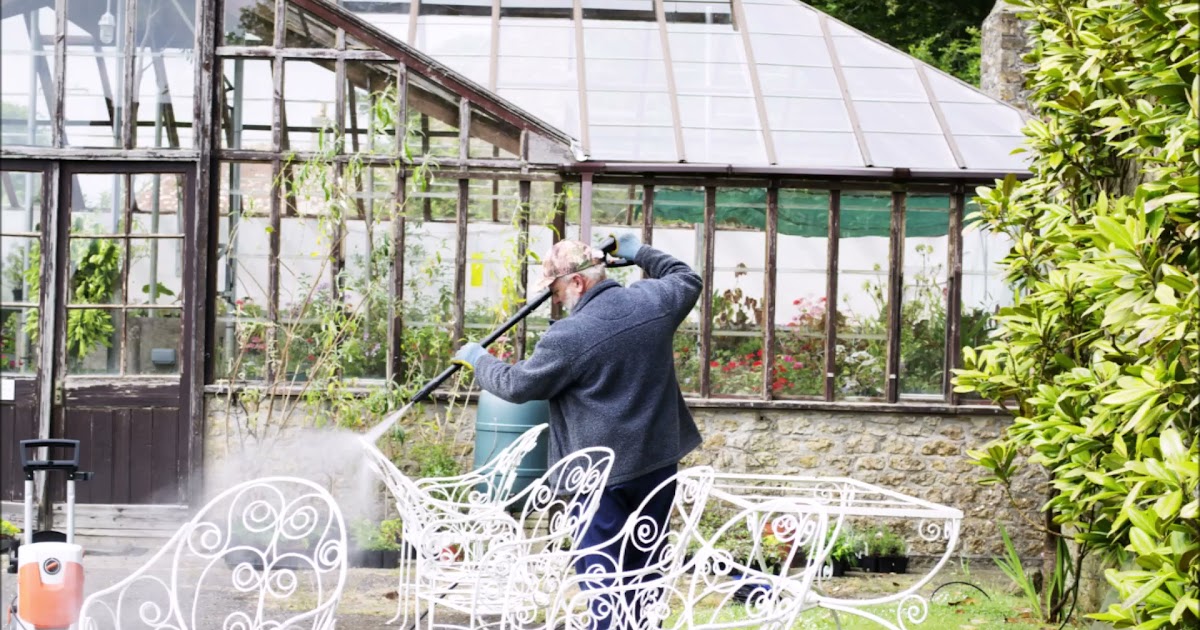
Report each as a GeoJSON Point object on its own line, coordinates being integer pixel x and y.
{"type": "Point", "coordinates": [566, 258]}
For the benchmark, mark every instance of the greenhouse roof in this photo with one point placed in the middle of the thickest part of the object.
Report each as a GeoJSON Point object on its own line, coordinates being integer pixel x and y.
{"type": "Point", "coordinates": [753, 83]}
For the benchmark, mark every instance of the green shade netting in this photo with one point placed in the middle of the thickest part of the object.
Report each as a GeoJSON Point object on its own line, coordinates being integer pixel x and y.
{"type": "Point", "coordinates": [803, 213]}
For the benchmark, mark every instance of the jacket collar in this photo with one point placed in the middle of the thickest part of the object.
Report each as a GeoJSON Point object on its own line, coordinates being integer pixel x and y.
{"type": "Point", "coordinates": [600, 287]}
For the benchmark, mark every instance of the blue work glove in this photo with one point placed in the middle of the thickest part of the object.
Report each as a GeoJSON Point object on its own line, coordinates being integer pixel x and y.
{"type": "Point", "coordinates": [469, 354]}
{"type": "Point", "coordinates": [628, 246]}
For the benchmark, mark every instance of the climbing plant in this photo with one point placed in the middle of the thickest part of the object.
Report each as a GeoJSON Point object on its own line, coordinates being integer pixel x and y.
{"type": "Point", "coordinates": [1098, 358]}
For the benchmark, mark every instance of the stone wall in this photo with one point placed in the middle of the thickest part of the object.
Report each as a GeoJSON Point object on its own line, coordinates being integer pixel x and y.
{"type": "Point", "coordinates": [919, 455]}
{"type": "Point", "coordinates": [1001, 69]}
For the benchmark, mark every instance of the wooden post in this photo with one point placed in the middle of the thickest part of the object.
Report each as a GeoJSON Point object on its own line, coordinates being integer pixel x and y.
{"type": "Point", "coordinates": [832, 239]}
{"type": "Point", "coordinates": [895, 294]}
{"type": "Point", "coordinates": [710, 233]}
{"type": "Point", "coordinates": [460, 262]}
{"type": "Point", "coordinates": [769, 285]}
{"type": "Point", "coordinates": [523, 192]}
{"type": "Point", "coordinates": [954, 256]}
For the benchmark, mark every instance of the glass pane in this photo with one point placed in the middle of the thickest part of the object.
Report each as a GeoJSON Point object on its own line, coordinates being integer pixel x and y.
{"type": "Point", "coordinates": [93, 336]}
{"type": "Point", "coordinates": [492, 138]}
{"type": "Point", "coordinates": [310, 95]}
{"type": "Point", "coordinates": [18, 340]}
{"type": "Point", "coordinates": [366, 280]}
{"type": "Point", "coordinates": [305, 30]}
{"type": "Point", "coordinates": [243, 270]}
{"type": "Point", "coordinates": [20, 201]}
{"type": "Point", "coordinates": [433, 198]}
{"type": "Point", "coordinates": [157, 199]}
{"type": "Point", "coordinates": [156, 271]}
{"type": "Point", "coordinates": [984, 291]}
{"type": "Point", "coordinates": [432, 119]}
{"type": "Point", "coordinates": [885, 84]}
{"type": "Point", "coordinates": [95, 75]}
{"type": "Point", "coordinates": [370, 107]}
{"type": "Point", "coordinates": [428, 297]}
{"type": "Point", "coordinates": [19, 281]}
{"type": "Point", "coordinates": [818, 148]}
{"type": "Point", "coordinates": [251, 23]}
{"type": "Point", "coordinates": [616, 204]}
{"type": "Point", "coordinates": [992, 119]}
{"type": "Point", "coordinates": [993, 152]}
{"type": "Point", "coordinates": [897, 117]}
{"type": "Point", "coordinates": [96, 203]}
{"type": "Point", "coordinates": [495, 201]}
{"type": "Point", "coordinates": [737, 300]}
{"type": "Point", "coordinates": [247, 95]}
{"type": "Point", "coordinates": [923, 311]}
{"type": "Point", "coordinates": [800, 300]}
{"type": "Point", "coordinates": [634, 142]}
{"type": "Point", "coordinates": [166, 39]}
{"type": "Point", "coordinates": [95, 271]}
{"type": "Point", "coordinates": [910, 150]}
{"type": "Point", "coordinates": [807, 114]}
{"type": "Point", "coordinates": [863, 52]}
{"type": "Point", "coordinates": [724, 146]}
{"type": "Point", "coordinates": [790, 50]}
{"type": "Point", "coordinates": [154, 341]}
{"type": "Point", "coordinates": [862, 295]}
{"type": "Point", "coordinates": [26, 84]}
{"type": "Point", "coordinates": [790, 18]}
{"type": "Point", "coordinates": [677, 233]}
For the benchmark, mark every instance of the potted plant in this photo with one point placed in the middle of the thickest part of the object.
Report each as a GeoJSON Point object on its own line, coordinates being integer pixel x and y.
{"type": "Point", "coordinates": [377, 546]}
{"type": "Point", "coordinates": [886, 552]}
{"type": "Point", "coordinates": [842, 555]}
{"type": "Point", "coordinates": [8, 535]}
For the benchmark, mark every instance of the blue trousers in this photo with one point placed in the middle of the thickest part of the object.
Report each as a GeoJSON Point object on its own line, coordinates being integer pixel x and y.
{"type": "Point", "coordinates": [617, 503]}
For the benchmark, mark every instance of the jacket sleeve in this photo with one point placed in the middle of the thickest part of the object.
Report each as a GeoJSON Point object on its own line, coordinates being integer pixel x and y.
{"type": "Point", "coordinates": [676, 283]}
{"type": "Point", "coordinates": [542, 376]}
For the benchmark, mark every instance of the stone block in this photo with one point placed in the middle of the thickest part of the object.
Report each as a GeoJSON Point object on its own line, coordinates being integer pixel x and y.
{"type": "Point", "coordinates": [871, 462]}
{"type": "Point", "coordinates": [905, 462]}
{"type": "Point", "coordinates": [940, 447]}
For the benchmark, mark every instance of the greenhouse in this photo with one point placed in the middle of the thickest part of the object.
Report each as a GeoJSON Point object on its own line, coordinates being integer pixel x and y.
{"type": "Point", "coordinates": [194, 192]}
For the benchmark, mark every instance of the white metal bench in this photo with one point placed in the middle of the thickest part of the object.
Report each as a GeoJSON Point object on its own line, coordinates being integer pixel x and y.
{"type": "Point", "coordinates": [284, 543]}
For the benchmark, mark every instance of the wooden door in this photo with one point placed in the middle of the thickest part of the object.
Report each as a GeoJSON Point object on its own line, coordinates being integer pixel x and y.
{"type": "Point", "coordinates": [22, 213]}
{"type": "Point", "coordinates": [123, 258]}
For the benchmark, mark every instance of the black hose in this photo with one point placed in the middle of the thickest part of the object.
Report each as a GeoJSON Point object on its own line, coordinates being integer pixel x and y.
{"type": "Point", "coordinates": [959, 582]}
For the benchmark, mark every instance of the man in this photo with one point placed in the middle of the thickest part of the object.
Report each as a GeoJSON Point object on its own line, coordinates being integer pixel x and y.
{"type": "Point", "coordinates": [608, 372]}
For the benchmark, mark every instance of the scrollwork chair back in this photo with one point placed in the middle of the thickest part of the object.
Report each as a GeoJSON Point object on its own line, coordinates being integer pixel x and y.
{"type": "Point", "coordinates": [268, 554]}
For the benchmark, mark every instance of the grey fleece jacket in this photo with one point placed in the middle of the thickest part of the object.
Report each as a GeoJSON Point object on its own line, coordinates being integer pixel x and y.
{"type": "Point", "coordinates": [608, 371]}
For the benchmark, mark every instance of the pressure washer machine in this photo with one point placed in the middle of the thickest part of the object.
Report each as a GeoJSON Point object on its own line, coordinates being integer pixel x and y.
{"type": "Point", "coordinates": [49, 565]}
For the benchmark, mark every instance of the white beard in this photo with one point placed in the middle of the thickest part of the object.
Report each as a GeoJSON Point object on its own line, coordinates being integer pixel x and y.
{"type": "Point", "coordinates": [569, 302]}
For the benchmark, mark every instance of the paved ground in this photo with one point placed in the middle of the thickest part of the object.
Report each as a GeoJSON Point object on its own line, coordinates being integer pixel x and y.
{"type": "Point", "coordinates": [368, 600]}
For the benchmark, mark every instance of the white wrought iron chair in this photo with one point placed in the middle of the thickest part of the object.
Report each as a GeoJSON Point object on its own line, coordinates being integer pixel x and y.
{"type": "Point", "coordinates": [479, 491]}
{"type": "Point", "coordinates": [491, 483]}
{"type": "Point", "coordinates": [283, 538]}
{"type": "Point", "coordinates": [464, 561]}
{"type": "Point", "coordinates": [641, 598]}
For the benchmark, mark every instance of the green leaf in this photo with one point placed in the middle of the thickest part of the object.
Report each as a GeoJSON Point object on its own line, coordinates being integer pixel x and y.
{"type": "Point", "coordinates": [1167, 506]}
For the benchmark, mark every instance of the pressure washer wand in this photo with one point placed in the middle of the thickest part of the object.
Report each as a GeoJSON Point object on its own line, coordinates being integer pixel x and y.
{"type": "Point", "coordinates": [608, 246]}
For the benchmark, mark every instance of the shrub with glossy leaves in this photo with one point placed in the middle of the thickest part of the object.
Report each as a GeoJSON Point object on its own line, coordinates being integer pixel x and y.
{"type": "Point", "coordinates": [1100, 350]}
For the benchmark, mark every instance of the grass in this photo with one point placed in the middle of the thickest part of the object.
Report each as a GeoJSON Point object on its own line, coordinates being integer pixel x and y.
{"type": "Point", "coordinates": [945, 613]}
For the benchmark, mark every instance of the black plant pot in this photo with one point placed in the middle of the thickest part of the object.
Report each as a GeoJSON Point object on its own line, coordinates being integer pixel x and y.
{"type": "Point", "coordinates": [869, 564]}
{"type": "Point", "coordinates": [389, 559]}
{"type": "Point", "coordinates": [893, 564]}
{"type": "Point", "coordinates": [837, 568]}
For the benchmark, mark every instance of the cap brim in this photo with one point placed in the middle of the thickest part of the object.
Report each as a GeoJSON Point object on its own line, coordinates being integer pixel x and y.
{"type": "Point", "coordinates": [543, 283]}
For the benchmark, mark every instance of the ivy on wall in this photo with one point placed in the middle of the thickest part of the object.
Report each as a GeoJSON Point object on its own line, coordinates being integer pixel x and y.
{"type": "Point", "coordinates": [1100, 350]}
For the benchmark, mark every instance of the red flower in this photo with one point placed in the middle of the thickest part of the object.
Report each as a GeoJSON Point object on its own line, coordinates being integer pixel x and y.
{"type": "Point", "coordinates": [795, 302]}
{"type": "Point", "coordinates": [715, 364]}
{"type": "Point", "coordinates": [757, 364]}
{"type": "Point", "coordinates": [311, 357]}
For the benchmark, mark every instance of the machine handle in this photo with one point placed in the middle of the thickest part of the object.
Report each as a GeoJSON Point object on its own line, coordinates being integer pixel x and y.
{"type": "Point", "coordinates": [29, 466]}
